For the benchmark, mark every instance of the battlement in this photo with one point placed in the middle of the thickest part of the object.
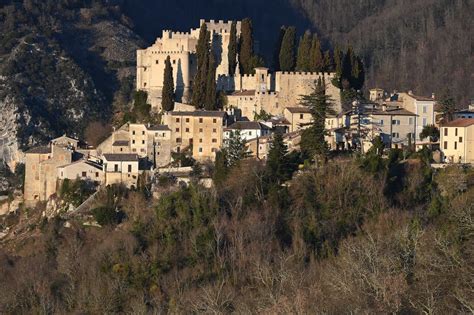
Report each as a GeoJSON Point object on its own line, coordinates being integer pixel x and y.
{"type": "Point", "coordinates": [305, 74]}
{"type": "Point", "coordinates": [219, 22]}
{"type": "Point", "coordinates": [170, 52]}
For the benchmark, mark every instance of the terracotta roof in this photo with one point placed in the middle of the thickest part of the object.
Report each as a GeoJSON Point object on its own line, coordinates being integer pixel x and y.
{"type": "Point", "coordinates": [200, 113]}
{"type": "Point", "coordinates": [461, 122]}
{"type": "Point", "coordinates": [244, 93]}
{"type": "Point", "coordinates": [240, 125]}
{"type": "Point", "coordinates": [394, 112]}
{"type": "Point", "coordinates": [299, 110]}
{"type": "Point", "coordinates": [118, 157]}
{"type": "Point", "coordinates": [39, 150]}
{"type": "Point", "coordinates": [159, 128]}
{"type": "Point", "coordinates": [120, 143]}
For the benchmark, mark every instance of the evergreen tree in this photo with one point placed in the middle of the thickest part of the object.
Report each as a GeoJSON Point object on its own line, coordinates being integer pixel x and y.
{"type": "Point", "coordinates": [287, 52]}
{"type": "Point", "coordinates": [232, 54]}
{"type": "Point", "coordinates": [200, 79]}
{"type": "Point", "coordinates": [338, 60]}
{"type": "Point", "coordinates": [312, 139]}
{"type": "Point", "coordinates": [316, 56]}
{"type": "Point", "coordinates": [167, 98]}
{"type": "Point", "coordinates": [347, 64]}
{"type": "Point", "coordinates": [276, 52]}
{"type": "Point", "coordinates": [277, 167]}
{"type": "Point", "coordinates": [211, 96]}
{"type": "Point", "coordinates": [304, 53]}
{"type": "Point", "coordinates": [448, 107]}
{"type": "Point", "coordinates": [327, 62]}
{"type": "Point", "coordinates": [221, 169]}
{"type": "Point", "coordinates": [246, 46]}
{"type": "Point", "coordinates": [357, 74]}
{"type": "Point", "coordinates": [235, 149]}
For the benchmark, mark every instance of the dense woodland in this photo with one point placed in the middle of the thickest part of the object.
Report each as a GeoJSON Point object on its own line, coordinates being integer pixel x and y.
{"type": "Point", "coordinates": [383, 235]}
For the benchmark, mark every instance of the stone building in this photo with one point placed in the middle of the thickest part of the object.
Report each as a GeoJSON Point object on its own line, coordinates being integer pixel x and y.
{"type": "Point", "coordinates": [247, 130]}
{"type": "Point", "coordinates": [273, 92]}
{"type": "Point", "coordinates": [181, 47]}
{"type": "Point", "coordinates": [41, 166]}
{"type": "Point", "coordinates": [84, 170]}
{"type": "Point", "coordinates": [299, 117]}
{"type": "Point", "coordinates": [457, 141]}
{"type": "Point", "coordinates": [199, 131]}
{"type": "Point", "coordinates": [121, 168]}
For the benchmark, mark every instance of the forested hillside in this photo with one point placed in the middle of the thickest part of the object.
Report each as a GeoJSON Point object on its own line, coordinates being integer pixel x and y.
{"type": "Point", "coordinates": [369, 235]}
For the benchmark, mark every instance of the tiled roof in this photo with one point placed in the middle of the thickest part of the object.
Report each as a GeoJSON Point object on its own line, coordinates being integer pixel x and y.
{"type": "Point", "coordinates": [121, 143]}
{"type": "Point", "coordinates": [394, 112]}
{"type": "Point", "coordinates": [159, 128]}
{"type": "Point", "coordinates": [119, 157]}
{"type": "Point", "coordinates": [240, 125]}
{"type": "Point", "coordinates": [39, 150]}
{"type": "Point", "coordinates": [461, 122]}
{"type": "Point", "coordinates": [244, 93]}
{"type": "Point", "coordinates": [200, 113]}
{"type": "Point", "coordinates": [299, 110]}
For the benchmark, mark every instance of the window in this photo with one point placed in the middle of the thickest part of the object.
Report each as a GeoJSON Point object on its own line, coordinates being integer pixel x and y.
{"type": "Point", "coordinates": [187, 129]}
{"type": "Point", "coordinates": [395, 122]}
{"type": "Point", "coordinates": [424, 109]}
{"type": "Point", "coordinates": [177, 119]}
{"type": "Point", "coordinates": [301, 116]}
{"type": "Point", "coordinates": [133, 132]}
{"type": "Point", "coordinates": [115, 167]}
{"type": "Point", "coordinates": [381, 122]}
{"type": "Point", "coordinates": [157, 62]}
{"type": "Point", "coordinates": [200, 149]}
{"type": "Point", "coordinates": [445, 145]}
{"type": "Point", "coordinates": [143, 133]}
{"type": "Point", "coordinates": [214, 120]}
{"type": "Point", "coordinates": [177, 129]}
{"type": "Point", "coordinates": [200, 140]}
{"type": "Point", "coordinates": [200, 120]}
{"type": "Point", "coordinates": [96, 174]}
{"type": "Point", "coordinates": [129, 168]}
{"type": "Point", "coordinates": [143, 141]}
{"type": "Point", "coordinates": [410, 121]}
{"type": "Point", "coordinates": [455, 145]}
{"type": "Point", "coordinates": [174, 61]}
{"type": "Point", "coordinates": [460, 139]}
{"type": "Point", "coordinates": [187, 120]}
{"type": "Point", "coordinates": [200, 129]}
{"type": "Point", "coordinates": [121, 149]}
{"type": "Point", "coordinates": [62, 174]}
{"type": "Point", "coordinates": [178, 140]}
{"type": "Point", "coordinates": [424, 122]}
{"type": "Point", "coordinates": [445, 131]}
{"type": "Point", "coordinates": [455, 132]}
{"type": "Point", "coordinates": [214, 140]}
{"type": "Point", "coordinates": [395, 135]}
{"type": "Point", "coordinates": [133, 141]}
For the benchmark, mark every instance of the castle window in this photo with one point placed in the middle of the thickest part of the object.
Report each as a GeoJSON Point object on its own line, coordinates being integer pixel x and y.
{"type": "Point", "coordinates": [214, 140]}
{"type": "Point", "coordinates": [143, 141]}
{"type": "Point", "coordinates": [133, 132]}
{"type": "Point", "coordinates": [174, 61]}
{"type": "Point", "coordinates": [200, 149]}
{"type": "Point", "coordinates": [157, 62]}
{"type": "Point", "coordinates": [200, 129]}
{"type": "Point", "coordinates": [96, 174]}
{"type": "Point", "coordinates": [200, 140]}
{"type": "Point", "coordinates": [214, 130]}
{"type": "Point", "coordinates": [133, 141]}
{"type": "Point", "coordinates": [200, 120]}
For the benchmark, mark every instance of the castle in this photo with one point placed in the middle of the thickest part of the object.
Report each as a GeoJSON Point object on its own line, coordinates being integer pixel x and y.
{"type": "Point", "coordinates": [181, 47]}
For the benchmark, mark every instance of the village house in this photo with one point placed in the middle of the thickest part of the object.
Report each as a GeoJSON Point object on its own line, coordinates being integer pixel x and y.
{"type": "Point", "coordinates": [121, 168]}
{"type": "Point", "coordinates": [198, 131]}
{"type": "Point", "coordinates": [457, 141]}
{"type": "Point", "coordinates": [395, 126]}
{"type": "Point", "coordinates": [247, 130]}
{"type": "Point", "coordinates": [465, 113]}
{"type": "Point", "coordinates": [41, 164]}
{"type": "Point", "coordinates": [298, 117]}
{"type": "Point", "coordinates": [84, 170]}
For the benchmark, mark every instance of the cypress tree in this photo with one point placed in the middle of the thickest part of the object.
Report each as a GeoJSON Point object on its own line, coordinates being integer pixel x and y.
{"type": "Point", "coordinates": [232, 54]}
{"type": "Point", "coordinates": [277, 167]}
{"type": "Point", "coordinates": [287, 52]}
{"type": "Point", "coordinates": [347, 64]}
{"type": "Point", "coordinates": [202, 53]}
{"type": "Point", "coordinates": [312, 139]}
{"type": "Point", "coordinates": [276, 52]}
{"type": "Point", "coordinates": [357, 73]}
{"type": "Point", "coordinates": [327, 62]}
{"type": "Point", "coordinates": [338, 60]}
{"type": "Point", "coordinates": [211, 96]}
{"type": "Point", "coordinates": [167, 96]}
{"type": "Point", "coordinates": [316, 56]}
{"type": "Point", "coordinates": [246, 46]}
{"type": "Point", "coordinates": [304, 50]}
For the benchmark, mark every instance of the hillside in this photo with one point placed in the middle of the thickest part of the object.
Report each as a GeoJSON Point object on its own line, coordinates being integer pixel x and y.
{"type": "Point", "coordinates": [353, 236]}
